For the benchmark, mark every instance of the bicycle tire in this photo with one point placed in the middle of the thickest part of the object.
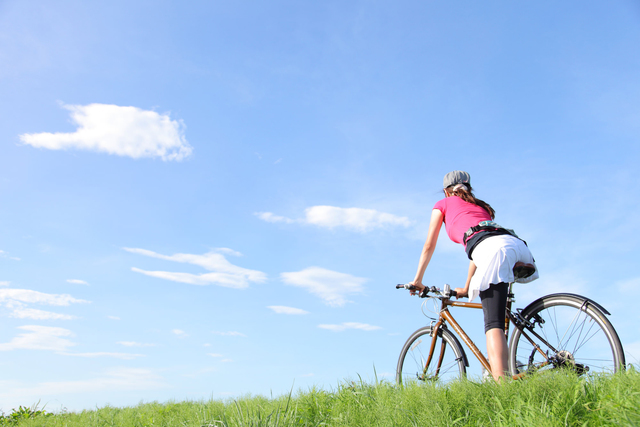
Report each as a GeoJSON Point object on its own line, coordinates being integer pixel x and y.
{"type": "Point", "coordinates": [415, 352]}
{"type": "Point", "coordinates": [581, 336]}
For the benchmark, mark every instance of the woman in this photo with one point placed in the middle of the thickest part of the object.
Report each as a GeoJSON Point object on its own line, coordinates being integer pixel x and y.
{"type": "Point", "coordinates": [493, 251]}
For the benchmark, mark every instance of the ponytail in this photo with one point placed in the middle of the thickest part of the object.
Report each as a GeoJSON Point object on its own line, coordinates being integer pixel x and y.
{"type": "Point", "coordinates": [465, 192]}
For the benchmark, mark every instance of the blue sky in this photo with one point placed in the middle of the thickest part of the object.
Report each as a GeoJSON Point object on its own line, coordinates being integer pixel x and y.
{"type": "Point", "coordinates": [213, 199]}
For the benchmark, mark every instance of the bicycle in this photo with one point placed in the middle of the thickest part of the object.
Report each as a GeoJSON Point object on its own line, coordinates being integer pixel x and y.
{"type": "Point", "coordinates": [554, 331]}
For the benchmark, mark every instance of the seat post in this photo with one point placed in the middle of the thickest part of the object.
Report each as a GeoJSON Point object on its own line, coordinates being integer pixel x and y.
{"type": "Point", "coordinates": [510, 300]}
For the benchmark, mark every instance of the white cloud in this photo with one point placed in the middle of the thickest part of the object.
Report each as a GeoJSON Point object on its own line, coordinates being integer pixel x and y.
{"type": "Point", "coordinates": [135, 344]}
{"type": "Point", "coordinates": [32, 313]}
{"type": "Point", "coordinates": [123, 356]}
{"type": "Point", "coordinates": [224, 273]}
{"type": "Point", "coordinates": [270, 217]}
{"type": "Point", "coordinates": [123, 131]}
{"type": "Point", "coordinates": [17, 299]}
{"type": "Point", "coordinates": [229, 334]}
{"type": "Point", "coordinates": [179, 332]}
{"type": "Point", "coordinates": [228, 251]}
{"type": "Point", "coordinates": [281, 309]}
{"type": "Point", "coordinates": [5, 283]}
{"type": "Point", "coordinates": [214, 355]}
{"type": "Point", "coordinates": [40, 338]}
{"type": "Point", "coordinates": [331, 286]}
{"type": "Point", "coordinates": [29, 296]}
{"type": "Point", "coordinates": [355, 219]}
{"type": "Point", "coordinates": [113, 317]}
{"type": "Point", "coordinates": [350, 325]}
{"type": "Point", "coordinates": [53, 339]}
{"type": "Point", "coordinates": [3, 254]}
{"type": "Point", "coordinates": [77, 282]}
{"type": "Point", "coordinates": [125, 379]}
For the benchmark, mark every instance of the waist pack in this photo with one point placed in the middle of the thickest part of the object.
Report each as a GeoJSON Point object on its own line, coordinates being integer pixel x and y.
{"type": "Point", "coordinates": [482, 231]}
{"type": "Point", "coordinates": [487, 226]}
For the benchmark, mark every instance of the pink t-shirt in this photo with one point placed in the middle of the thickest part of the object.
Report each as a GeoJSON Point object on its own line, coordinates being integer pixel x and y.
{"type": "Point", "coordinates": [459, 216]}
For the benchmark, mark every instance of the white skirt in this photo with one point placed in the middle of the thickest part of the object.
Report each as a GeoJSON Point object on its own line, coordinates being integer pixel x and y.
{"type": "Point", "coordinates": [494, 258]}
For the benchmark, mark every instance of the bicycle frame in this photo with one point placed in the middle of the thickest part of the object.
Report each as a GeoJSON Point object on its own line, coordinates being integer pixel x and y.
{"type": "Point", "coordinates": [445, 316]}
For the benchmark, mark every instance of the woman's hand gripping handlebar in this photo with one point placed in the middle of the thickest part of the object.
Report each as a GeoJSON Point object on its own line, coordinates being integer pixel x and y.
{"type": "Point", "coordinates": [441, 293]}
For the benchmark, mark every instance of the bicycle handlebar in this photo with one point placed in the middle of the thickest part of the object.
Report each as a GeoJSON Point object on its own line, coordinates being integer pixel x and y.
{"type": "Point", "coordinates": [446, 292]}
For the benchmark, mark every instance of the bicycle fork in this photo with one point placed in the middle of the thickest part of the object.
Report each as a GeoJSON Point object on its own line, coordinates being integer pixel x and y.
{"type": "Point", "coordinates": [434, 337]}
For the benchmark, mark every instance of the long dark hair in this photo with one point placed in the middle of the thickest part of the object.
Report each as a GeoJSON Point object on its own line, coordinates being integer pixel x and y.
{"type": "Point", "coordinates": [466, 194]}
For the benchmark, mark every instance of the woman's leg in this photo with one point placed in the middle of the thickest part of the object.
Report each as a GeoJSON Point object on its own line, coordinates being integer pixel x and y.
{"type": "Point", "coordinates": [494, 306]}
{"type": "Point", "coordinates": [497, 349]}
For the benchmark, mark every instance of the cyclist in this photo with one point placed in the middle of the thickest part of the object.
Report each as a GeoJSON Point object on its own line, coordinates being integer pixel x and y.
{"type": "Point", "coordinates": [493, 251]}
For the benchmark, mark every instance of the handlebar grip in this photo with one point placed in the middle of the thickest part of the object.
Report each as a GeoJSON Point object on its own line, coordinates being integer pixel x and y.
{"type": "Point", "coordinates": [400, 286]}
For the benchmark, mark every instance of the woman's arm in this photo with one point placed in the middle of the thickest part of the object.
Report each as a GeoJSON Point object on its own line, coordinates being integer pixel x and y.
{"type": "Point", "coordinates": [463, 292]}
{"type": "Point", "coordinates": [429, 247]}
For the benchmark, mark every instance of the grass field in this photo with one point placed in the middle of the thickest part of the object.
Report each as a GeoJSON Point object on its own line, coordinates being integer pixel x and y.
{"type": "Point", "coordinates": [550, 399]}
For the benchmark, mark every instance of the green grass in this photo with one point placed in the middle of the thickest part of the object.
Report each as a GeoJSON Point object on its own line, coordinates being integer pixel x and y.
{"type": "Point", "coordinates": [546, 399]}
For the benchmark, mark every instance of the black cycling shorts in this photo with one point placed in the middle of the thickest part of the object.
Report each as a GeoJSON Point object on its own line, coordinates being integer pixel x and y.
{"type": "Point", "coordinates": [494, 306]}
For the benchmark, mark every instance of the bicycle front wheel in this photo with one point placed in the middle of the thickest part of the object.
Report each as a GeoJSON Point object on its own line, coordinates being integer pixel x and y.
{"type": "Point", "coordinates": [447, 363]}
{"type": "Point", "coordinates": [572, 332]}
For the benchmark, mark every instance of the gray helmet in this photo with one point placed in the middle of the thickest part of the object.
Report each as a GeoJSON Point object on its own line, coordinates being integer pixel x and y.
{"type": "Point", "coordinates": [456, 177]}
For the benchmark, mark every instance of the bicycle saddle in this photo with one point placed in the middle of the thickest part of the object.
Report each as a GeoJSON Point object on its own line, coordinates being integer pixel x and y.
{"type": "Point", "coordinates": [523, 270]}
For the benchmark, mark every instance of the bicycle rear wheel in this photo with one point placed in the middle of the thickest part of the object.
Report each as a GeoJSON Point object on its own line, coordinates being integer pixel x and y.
{"type": "Point", "coordinates": [448, 362]}
{"type": "Point", "coordinates": [573, 332]}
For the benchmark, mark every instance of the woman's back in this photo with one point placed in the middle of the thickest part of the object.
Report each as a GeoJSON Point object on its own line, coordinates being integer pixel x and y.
{"type": "Point", "coordinates": [459, 216]}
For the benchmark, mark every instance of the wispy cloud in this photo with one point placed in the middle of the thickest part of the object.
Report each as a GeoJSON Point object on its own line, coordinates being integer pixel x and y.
{"type": "Point", "coordinates": [270, 217]}
{"type": "Point", "coordinates": [123, 131]}
{"type": "Point", "coordinates": [77, 282]}
{"type": "Point", "coordinates": [123, 356]}
{"type": "Point", "coordinates": [32, 313]}
{"type": "Point", "coordinates": [135, 344]}
{"type": "Point", "coordinates": [354, 219]}
{"type": "Point", "coordinates": [126, 379]}
{"type": "Point", "coordinates": [40, 338]}
{"type": "Point", "coordinates": [29, 296]}
{"type": "Point", "coordinates": [179, 332]}
{"type": "Point", "coordinates": [331, 286]}
{"type": "Point", "coordinates": [17, 300]}
{"type": "Point", "coordinates": [3, 254]}
{"type": "Point", "coordinates": [281, 309]}
{"type": "Point", "coordinates": [223, 272]}
{"type": "Point", "coordinates": [229, 334]}
{"type": "Point", "coordinates": [55, 339]}
{"type": "Point", "coordinates": [228, 251]}
{"type": "Point", "coordinates": [350, 325]}
{"type": "Point", "coordinates": [5, 283]}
